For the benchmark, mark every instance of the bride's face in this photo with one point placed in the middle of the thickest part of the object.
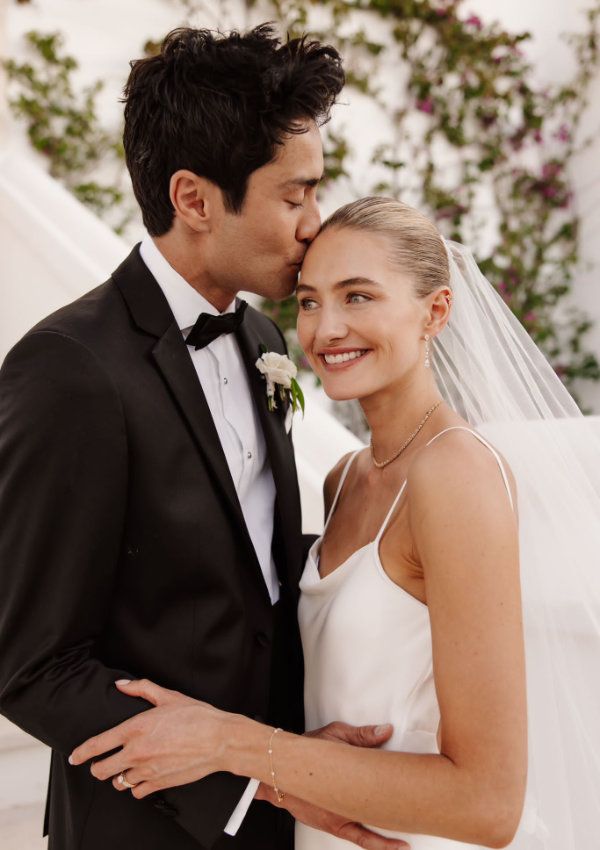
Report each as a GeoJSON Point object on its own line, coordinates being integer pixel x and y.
{"type": "Point", "coordinates": [359, 322]}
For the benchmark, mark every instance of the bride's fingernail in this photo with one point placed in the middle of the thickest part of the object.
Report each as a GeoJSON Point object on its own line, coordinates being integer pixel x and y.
{"type": "Point", "coordinates": [123, 682]}
{"type": "Point", "coordinates": [383, 729]}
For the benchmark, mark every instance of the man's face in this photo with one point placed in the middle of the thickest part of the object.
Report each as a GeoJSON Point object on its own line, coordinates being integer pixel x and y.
{"type": "Point", "coordinates": [261, 248]}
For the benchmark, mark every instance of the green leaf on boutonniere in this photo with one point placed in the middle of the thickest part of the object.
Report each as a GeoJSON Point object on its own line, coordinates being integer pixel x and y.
{"type": "Point", "coordinates": [297, 396]}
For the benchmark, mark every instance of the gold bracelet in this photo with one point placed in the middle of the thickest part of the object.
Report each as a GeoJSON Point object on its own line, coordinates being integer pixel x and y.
{"type": "Point", "coordinates": [278, 793]}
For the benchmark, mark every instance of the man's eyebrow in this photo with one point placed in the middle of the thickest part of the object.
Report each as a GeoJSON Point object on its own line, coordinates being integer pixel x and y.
{"type": "Point", "coordinates": [341, 284]}
{"type": "Point", "coordinates": [301, 181]}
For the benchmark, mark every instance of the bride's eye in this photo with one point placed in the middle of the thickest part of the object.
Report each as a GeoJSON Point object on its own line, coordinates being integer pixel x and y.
{"type": "Point", "coordinates": [307, 304]}
{"type": "Point", "coordinates": [358, 298]}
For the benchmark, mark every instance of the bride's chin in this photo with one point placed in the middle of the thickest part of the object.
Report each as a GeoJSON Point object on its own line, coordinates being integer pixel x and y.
{"type": "Point", "coordinates": [343, 394]}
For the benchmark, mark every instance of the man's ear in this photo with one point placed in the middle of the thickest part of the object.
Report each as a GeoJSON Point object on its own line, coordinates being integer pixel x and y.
{"type": "Point", "coordinates": [194, 200]}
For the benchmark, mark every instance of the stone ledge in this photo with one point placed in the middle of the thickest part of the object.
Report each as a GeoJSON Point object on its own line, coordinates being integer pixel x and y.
{"type": "Point", "coordinates": [21, 828]}
{"type": "Point", "coordinates": [23, 777]}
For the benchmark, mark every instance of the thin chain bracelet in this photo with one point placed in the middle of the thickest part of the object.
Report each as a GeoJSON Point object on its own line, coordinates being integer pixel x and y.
{"type": "Point", "coordinates": [280, 795]}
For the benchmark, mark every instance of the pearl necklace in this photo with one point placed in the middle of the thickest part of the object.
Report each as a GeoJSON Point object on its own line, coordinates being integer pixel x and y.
{"type": "Point", "coordinates": [381, 463]}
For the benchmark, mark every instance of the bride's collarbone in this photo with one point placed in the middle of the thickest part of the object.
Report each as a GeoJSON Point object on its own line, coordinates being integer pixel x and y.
{"type": "Point", "coordinates": [358, 517]}
{"type": "Point", "coordinates": [356, 523]}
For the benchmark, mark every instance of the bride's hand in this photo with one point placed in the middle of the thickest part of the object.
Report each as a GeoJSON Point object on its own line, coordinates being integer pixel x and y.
{"type": "Point", "coordinates": [178, 741]}
{"type": "Point", "coordinates": [335, 825]}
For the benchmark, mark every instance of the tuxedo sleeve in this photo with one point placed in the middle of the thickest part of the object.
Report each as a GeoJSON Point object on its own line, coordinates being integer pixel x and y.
{"type": "Point", "coordinates": [63, 490]}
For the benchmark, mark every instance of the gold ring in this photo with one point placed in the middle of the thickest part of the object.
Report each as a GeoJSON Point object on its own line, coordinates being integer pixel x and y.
{"type": "Point", "coordinates": [122, 780]}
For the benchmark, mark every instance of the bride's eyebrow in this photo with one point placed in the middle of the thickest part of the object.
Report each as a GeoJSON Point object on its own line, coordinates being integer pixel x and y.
{"type": "Point", "coordinates": [341, 284]}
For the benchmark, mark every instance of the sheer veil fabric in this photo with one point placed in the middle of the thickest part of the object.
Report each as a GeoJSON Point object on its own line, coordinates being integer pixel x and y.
{"type": "Point", "coordinates": [491, 372]}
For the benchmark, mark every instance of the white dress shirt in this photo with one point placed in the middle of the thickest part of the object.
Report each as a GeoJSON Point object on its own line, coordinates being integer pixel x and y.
{"type": "Point", "coordinates": [224, 380]}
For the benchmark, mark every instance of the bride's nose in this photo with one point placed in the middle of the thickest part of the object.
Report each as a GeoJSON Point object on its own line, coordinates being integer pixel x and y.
{"type": "Point", "coordinates": [331, 328]}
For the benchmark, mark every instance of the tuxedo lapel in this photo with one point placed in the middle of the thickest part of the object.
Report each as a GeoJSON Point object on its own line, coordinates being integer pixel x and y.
{"type": "Point", "coordinates": [279, 447]}
{"type": "Point", "coordinates": [151, 313]}
{"type": "Point", "coordinates": [175, 364]}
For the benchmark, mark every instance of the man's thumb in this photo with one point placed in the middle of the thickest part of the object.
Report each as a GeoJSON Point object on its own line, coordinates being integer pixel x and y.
{"type": "Point", "coordinates": [373, 736]}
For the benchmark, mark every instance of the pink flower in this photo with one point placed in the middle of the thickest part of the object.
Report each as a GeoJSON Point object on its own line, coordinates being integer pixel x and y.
{"type": "Point", "coordinates": [550, 170]}
{"type": "Point", "coordinates": [445, 9]}
{"type": "Point", "coordinates": [474, 21]}
{"type": "Point", "coordinates": [425, 105]}
{"type": "Point", "coordinates": [563, 134]}
{"type": "Point", "coordinates": [537, 136]}
{"type": "Point", "coordinates": [529, 317]}
{"type": "Point", "coordinates": [502, 287]}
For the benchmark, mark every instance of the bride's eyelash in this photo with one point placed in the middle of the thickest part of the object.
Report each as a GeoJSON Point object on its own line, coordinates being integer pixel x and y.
{"type": "Point", "coordinates": [303, 303]}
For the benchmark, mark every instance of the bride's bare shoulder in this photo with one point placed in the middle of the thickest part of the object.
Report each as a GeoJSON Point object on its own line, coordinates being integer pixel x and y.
{"type": "Point", "coordinates": [459, 463]}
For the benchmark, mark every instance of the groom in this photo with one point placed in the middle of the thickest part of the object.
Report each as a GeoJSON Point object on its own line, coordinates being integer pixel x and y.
{"type": "Point", "coordinates": [150, 515]}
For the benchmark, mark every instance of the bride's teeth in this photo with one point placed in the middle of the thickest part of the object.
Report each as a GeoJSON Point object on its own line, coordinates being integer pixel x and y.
{"type": "Point", "coordinates": [342, 358]}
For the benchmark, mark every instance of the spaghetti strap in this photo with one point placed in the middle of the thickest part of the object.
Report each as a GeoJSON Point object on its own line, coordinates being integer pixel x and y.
{"type": "Point", "coordinates": [339, 487]}
{"type": "Point", "coordinates": [389, 514]}
{"type": "Point", "coordinates": [485, 443]}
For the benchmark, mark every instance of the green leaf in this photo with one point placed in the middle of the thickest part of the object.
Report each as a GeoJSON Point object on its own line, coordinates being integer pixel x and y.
{"type": "Point", "coordinates": [297, 396]}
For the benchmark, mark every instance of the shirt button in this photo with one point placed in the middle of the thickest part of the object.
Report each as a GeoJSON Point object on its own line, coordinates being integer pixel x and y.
{"type": "Point", "coordinates": [225, 381]}
{"type": "Point", "coordinates": [249, 455]}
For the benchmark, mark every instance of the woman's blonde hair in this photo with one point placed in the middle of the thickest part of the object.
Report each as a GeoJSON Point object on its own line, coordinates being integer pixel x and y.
{"type": "Point", "coordinates": [416, 246]}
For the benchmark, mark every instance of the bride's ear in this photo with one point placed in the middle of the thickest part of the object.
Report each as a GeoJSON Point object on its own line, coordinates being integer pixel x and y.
{"type": "Point", "coordinates": [439, 308]}
{"type": "Point", "coordinates": [193, 199]}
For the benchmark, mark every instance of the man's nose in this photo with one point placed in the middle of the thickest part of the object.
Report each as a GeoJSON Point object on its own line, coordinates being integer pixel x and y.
{"type": "Point", "coordinates": [310, 223]}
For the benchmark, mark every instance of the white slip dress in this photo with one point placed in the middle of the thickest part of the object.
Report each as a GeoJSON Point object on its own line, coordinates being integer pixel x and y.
{"type": "Point", "coordinates": [368, 658]}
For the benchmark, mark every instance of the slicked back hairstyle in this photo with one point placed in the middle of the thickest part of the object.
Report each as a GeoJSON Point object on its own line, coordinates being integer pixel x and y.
{"type": "Point", "coordinates": [415, 244]}
{"type": "Point", "coordinates": [219, 106]}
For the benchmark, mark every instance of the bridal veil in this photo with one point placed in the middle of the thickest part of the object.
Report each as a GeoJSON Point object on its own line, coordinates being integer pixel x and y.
{"type": "Point", "coordinates": [491, 372]}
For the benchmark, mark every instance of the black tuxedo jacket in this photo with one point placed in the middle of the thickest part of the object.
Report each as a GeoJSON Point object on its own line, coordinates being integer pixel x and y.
{"type": "Point", "coordinates": [124, 552]}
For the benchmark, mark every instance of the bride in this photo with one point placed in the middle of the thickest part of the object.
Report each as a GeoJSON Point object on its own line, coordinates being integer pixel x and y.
{"type": "Point", "coordinates": [415, 609]}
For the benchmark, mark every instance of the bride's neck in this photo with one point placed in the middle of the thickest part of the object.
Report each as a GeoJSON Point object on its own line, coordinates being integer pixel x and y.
{"type": "Point", "coordinates": [394, 413]}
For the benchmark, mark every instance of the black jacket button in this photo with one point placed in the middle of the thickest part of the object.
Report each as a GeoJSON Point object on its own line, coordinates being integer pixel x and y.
{"type": "Point", "coordinates": [164, 807]}
{"type": "Point", "coordinates": [262, 639]}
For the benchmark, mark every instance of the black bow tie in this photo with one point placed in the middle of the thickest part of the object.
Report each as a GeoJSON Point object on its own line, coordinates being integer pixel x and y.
{"type": "Point", "coordinates": [208, 328]}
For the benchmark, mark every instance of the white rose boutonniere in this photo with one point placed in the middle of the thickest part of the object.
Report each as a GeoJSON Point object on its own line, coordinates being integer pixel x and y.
{"type": "Point", "coordinates": [280, 374]}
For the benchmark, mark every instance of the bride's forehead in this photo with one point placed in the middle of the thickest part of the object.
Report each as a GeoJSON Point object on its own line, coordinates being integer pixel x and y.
{"type": "Point", "coordinates": [344, 251]}
{"type": "Point", "coordinates": [329, 261]}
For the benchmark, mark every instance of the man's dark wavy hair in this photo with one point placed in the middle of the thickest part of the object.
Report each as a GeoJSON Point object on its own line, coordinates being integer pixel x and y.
{"type": "Point", "coordinates": [219, 105]}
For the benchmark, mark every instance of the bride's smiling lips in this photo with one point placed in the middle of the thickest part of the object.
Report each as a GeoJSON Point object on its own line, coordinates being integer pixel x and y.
{"type": "Point", "coordinates": [335, 359]}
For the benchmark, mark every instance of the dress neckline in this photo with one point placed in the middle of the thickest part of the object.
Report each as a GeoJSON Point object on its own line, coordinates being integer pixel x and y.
{"type": "Point", "coordinates": [315, 555]}
{"type": "Point", "coordinates": [314, 552]}
{"type": "Point", "coordinates": [325, 584]}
